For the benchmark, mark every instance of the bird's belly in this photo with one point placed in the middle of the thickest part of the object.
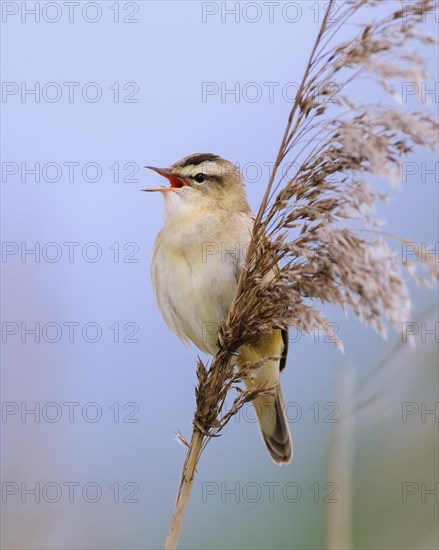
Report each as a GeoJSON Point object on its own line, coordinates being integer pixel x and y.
{"type": "Point", "coordinates": [194, 296]}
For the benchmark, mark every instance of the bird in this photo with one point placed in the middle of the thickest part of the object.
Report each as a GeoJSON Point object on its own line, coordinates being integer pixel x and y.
{"type": "Point", "coordinates": [196, 261]}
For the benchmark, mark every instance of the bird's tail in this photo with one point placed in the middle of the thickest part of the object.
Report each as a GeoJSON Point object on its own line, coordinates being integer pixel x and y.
{"type": "Point", "coordinates": [270, 410]}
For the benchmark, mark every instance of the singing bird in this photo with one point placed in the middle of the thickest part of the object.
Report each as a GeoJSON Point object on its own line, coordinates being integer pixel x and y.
{"type": "Point", "coordinates": [196, 263]}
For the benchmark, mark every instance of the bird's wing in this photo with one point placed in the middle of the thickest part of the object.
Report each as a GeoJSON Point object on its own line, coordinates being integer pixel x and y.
{"type": "Point", "coordinates": [284, 332]}
{"type": "Point", "coordinates": [283, 359]}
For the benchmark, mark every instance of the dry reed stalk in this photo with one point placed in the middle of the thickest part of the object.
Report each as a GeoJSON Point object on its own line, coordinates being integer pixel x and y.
{"type": "Point", "coordinates": [340, 463]}
{"type": "Point", "coordinates": [301, 222]}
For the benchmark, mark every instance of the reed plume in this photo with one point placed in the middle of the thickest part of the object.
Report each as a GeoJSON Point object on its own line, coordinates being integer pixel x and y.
{"type": "Point", "coordinates": [320, 226]}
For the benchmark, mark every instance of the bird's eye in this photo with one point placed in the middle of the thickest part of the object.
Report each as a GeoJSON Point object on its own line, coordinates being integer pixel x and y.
{"type": "Point", "coordinates": [199, 178]}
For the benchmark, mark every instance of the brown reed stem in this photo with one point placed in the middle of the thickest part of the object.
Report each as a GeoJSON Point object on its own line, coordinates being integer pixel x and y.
{"type": "Point", "coordinates": [184, 489]}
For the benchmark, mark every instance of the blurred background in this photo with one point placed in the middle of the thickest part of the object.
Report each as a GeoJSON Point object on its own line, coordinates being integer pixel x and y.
{"type": "Point", "coordinates": [94, 386]}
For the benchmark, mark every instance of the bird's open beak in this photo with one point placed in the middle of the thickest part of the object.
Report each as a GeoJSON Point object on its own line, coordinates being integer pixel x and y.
{"type": "Point", "coordinates": [176, 183]}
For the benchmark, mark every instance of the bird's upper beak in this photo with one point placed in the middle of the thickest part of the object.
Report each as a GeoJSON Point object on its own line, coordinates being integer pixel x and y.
{"type": "Point", "coordinates": [176, 183]}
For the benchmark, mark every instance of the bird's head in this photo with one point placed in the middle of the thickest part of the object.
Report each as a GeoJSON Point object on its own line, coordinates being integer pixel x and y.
{"type": "Point", "coordinates": [203, 180]}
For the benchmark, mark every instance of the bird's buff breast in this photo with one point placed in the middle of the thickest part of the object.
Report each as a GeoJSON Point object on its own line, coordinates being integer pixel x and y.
{"type": "Point", "coordinates": [194, 276]}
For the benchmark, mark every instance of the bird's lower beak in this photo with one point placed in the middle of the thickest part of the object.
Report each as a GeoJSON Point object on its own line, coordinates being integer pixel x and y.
{"type": "Point", "coordinates": [176, 183]}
